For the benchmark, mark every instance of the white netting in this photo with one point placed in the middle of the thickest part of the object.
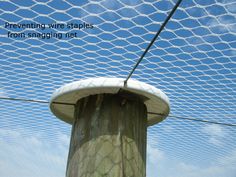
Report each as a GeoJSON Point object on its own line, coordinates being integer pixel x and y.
{"type": "Point", "coordinates": [193, 61]}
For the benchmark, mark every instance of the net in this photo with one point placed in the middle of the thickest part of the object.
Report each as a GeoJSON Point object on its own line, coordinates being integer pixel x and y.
{"type": "Point", "coordinates": [46, 44]}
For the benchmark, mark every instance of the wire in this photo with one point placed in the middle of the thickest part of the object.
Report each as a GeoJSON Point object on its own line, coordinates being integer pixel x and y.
{"type": "Point", "coordinates": [153, 40]}
{"type": "Point", "coordinates": [34, 101]}
{"type": "Point", "coordinates": [200, 120]}
{"type": "Point", "coordinates": [176, 117]}
{"type": "Point", "coordinates": [194, 119]}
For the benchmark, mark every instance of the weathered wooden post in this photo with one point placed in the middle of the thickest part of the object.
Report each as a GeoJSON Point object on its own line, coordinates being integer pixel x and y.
{"type": "Point", "coordinates": [109, 125]}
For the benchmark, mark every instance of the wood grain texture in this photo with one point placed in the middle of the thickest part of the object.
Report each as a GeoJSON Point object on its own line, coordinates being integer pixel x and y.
{"type": "Point", "coordinates": [108, 137]}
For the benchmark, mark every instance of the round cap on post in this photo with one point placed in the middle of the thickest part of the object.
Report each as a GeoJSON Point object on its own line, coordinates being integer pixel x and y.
{"type": "Point", "coordinates": [63, 99]}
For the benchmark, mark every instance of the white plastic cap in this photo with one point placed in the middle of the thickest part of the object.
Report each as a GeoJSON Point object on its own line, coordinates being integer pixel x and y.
{"type": "Point", "coordinates": [157, 101]}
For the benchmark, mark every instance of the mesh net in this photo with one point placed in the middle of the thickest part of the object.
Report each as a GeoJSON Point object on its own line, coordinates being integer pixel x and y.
{"type": "Point", "coordinates": [193, 62]}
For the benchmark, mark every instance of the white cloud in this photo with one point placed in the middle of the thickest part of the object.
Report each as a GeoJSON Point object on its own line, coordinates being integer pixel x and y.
{"type": "Point", "coordinates": [154, 154]}
{"type": "Point", "coordinates": [228, 1]}
{"type": "Point", "coordinates": [216, 134]}
{"type": "Point", "coordinates": [35, 156]}
{"type": "Point", "coordinates": [160, 165]}
{"type": "Point", "coordinates": [222, 24]}
{"type": "Point", "coordinates": [231, 7]}
{"type": "Point", "coordinates": [233, 52]}
{"type": "Point", "coordinates": [31, 156]}
{"type": "Point", "coordinates": [2, 93]}
{"type": "Point", "coordinates": [169, 129]}
{"type": "Point", "coordinates": [214, 130]}
{"type": "Point", "coordinates": [155, 158]}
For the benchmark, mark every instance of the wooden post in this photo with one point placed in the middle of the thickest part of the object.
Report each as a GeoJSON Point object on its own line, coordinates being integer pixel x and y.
{"type": "Point", "coordinates": [108, 137]}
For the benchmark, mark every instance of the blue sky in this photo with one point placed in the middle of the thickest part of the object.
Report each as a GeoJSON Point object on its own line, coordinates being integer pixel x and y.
{"type": "Point", "coordinates": [193, 61]}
